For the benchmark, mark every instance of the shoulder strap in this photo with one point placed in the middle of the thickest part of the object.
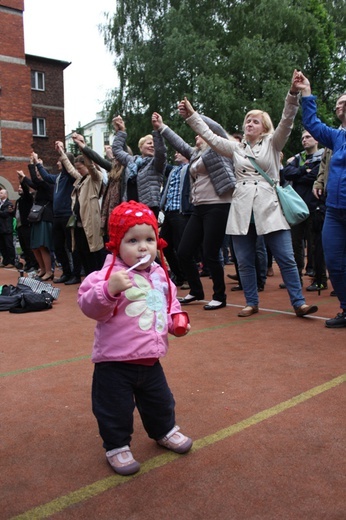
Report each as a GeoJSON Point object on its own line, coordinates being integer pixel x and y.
{"type": "Point", "coordinates": [259, 169]}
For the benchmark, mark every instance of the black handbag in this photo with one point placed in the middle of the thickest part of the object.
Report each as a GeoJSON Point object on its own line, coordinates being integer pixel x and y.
{"type": "Point", "coordinates": [36, 213]}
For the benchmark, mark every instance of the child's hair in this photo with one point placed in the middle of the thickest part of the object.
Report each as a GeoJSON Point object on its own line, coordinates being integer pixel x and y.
{"type": "Point", "coordinates": [124, 217]}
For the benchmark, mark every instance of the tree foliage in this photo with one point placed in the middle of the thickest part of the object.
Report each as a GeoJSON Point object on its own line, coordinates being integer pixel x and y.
{"type": "Point", "coordinates": [226, 56]}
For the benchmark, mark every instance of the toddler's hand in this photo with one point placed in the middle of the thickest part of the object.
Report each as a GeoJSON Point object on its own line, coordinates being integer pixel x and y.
{"type": "Point", "coordinates": [118, 282]}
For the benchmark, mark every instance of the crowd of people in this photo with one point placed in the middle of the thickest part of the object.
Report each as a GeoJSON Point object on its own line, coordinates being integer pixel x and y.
{"type": "Point", "coordinates": [215, 205]}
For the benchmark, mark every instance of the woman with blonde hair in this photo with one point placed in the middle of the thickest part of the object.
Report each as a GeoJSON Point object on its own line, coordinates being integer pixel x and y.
{"type": "Point", "coordinates": [143, 175]}
{"type": "Point", "coordinates": [255, 209]}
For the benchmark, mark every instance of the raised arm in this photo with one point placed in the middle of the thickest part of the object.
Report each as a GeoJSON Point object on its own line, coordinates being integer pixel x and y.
{"type": "Point", "coordinates": [94, 171]}
{"type": "Point", "coordinates": [66, 162]}
{"type": "Point", "coordinates": [224, 146]}
{"type": "Point", "coordinates": [321, 132]}
{"type": "Point", "coordinates": [174, 139]}
{"type": "Point", "coordinates": [78, 139]}
{"type": "Point", "coordinates": [160, 156]}
{"type": "Point", "coordinates": [119, 142]}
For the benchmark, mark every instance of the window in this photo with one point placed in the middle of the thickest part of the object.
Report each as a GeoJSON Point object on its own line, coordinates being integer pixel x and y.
{"type": "Point", "coordinates": [39, 126]}
{"type": "Point", "coordinates": [106, 138]}
{"type": "Point", "coordinates": [37, 80]}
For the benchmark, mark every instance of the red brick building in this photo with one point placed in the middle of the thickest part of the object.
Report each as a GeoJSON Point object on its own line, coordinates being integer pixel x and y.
{"type": "Point", "coordinates": [31, 100]}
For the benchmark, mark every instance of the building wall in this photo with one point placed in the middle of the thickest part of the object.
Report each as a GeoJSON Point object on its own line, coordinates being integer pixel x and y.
{"type": "Point", "coordinates": [19, 103]}
{"type": "Point", "coordinates": [48, 104]}
{"type": "Point", "coordinates": [15, 104]}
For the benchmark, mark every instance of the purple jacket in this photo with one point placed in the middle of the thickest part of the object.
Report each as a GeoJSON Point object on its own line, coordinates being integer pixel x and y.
{"type": "Point", "coordinates": [135, 324]}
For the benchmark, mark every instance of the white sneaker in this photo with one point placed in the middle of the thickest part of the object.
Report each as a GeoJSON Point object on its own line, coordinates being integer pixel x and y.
{"type": "Point", "coordinates": [176, 441]}
{"type": "Point", "coordinates": [122, 461]}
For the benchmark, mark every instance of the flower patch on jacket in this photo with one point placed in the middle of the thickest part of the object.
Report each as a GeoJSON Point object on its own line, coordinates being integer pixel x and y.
{"type": "Point", "coordinates": [149, 303]}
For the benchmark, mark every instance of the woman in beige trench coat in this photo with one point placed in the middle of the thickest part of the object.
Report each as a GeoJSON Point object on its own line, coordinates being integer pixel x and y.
{"type": "Point", "coordinates": [255, 209]}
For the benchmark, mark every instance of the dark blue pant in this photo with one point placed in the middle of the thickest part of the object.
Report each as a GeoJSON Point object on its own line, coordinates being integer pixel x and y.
{"type": "Point", "coordinates": [119, 387]}
{"type": "Point", "coordinates": [334, 246]}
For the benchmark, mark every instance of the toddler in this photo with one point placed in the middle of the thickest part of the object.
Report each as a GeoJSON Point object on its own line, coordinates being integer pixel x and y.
{"type": "Point", "coordinates": [134, 311]}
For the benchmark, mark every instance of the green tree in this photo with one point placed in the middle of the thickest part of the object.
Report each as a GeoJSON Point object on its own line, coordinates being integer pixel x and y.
{"type": "Point", "coordinates": [226, 56]}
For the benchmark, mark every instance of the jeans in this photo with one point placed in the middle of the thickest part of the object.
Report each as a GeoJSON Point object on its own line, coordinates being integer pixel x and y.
{"type": "Point", "coordinates": [280, 243]}
{"type": "Point", "coordinates": [334, 246]}
{"type": "Point", "coordinates": [206, 226]}
{"type": "Point", "coordinates": [117, 388]}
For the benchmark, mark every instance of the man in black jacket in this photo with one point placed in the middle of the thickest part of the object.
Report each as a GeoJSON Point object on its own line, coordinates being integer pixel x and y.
{"type": "Point", "coordinates": [301, 171]}
{"type": "Point", "coordinates": [6, 230]}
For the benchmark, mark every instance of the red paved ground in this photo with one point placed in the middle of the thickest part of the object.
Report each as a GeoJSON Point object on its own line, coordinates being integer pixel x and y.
{"type": "Point", "coordinates": [262, 397]}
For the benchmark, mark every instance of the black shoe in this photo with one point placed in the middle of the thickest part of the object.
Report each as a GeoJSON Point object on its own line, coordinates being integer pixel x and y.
{"type": "Point", "coordinates": [338, 322]}
{"type": "Point", "coordinates": [317, 287]}
{"type": "Point", "coordinates": [237, 288]}
{"type": "Point", "coordinates": [204, 274]}
{"type": "Point", "coordinates": [63, 278]}
{"type": "Point", "coordinates": [189, 299]}
{"type": "Point", "coordinates": [72, 281]}
{"type": "Point", "coordinates": [233, 277]}
{"type": "Point", "coordinates": [213, 305]}
{"type": "Point", "coordinates": [332, 293]}
{"type": "Point", "coordinates": [260, 288]}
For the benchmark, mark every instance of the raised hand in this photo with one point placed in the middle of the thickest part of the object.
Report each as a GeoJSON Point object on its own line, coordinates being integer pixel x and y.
{"type": "Point", "coordinates": [33, 158]}
{"type": "Point", "coordinates": [118, 124]}
{"type": "Point", "coordinates": [78, 139]}
{"type": "Point", "coordinates": [185, 108]}
{"type": "Point", "coordinates": [301, 83]}
{"type": "Point", "coordinates": [156, 120]}
{"type": "Point", "coordinates": [59, 146]}
{"type": "Point", "coordinates": [108, 152]}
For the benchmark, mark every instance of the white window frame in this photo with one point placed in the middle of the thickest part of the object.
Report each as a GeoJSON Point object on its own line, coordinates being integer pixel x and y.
{"type": "Point", "coordinates": [39, 127]}
{"type": "Point", "coordinates": [35, 80]}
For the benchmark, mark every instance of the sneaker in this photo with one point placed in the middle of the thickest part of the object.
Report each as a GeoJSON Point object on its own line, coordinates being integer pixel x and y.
{"type": "Point", "coordinates": [176, 441]}
{"type": "Point", "coordinates": [338, 322]}
{"type": "Point", "coordinates": [122, 461]}
{"type": "Point", "coordinates": [317, 287]}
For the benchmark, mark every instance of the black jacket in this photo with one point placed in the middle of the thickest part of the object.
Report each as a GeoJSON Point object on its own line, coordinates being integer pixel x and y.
{"type": "Point", "coordinates": [6, 217]}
